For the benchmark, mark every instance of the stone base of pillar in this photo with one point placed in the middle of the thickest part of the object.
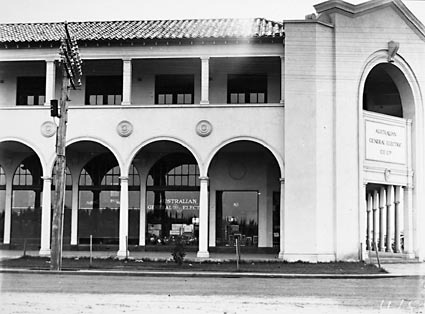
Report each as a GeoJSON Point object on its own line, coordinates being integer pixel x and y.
{"type": "Point", "coordinates": [281, 255]}
{"type": "Point", "coordinates": [125, 103]}
{"type": "Point", "coordinates": [204, 102]}
{"type": "Point", "coordinates": [201, 254]}
{"type": "Point", "coordinates": [122, 254]}
{"type": "Point", "coordinates": [44, 253]}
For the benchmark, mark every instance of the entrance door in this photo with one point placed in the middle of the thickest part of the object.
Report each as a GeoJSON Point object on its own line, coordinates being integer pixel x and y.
{"type": "Point", "coordinates": [237, 216]}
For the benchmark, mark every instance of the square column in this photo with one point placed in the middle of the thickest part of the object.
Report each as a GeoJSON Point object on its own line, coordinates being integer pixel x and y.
{"type": "Point", "coordinates": [46, 217]}
{"type": "Point", "coordinates": [126, 82]}
{"type": "Point", "coordinates": [397, 205]}
{"type": "Point", "coordinates": [50, 81]}
{"type": "Point", "coordinates": [123, 233]}
{"type": "Point", "coordinates": [74, 213]}
{"type": "Point", "coordinates": [282, 218]}
{"type": "Point", "coordinates": [205, 80]}
{"type": "Point", "coordinates": [369, 225]}
{"type": "Point", "coordinates": [382, 207]}
{"type": "Point", "coordinates": [390, 216]}
{"type": "Point", "coordinates": [8, 211]}
{"type": "Point", "coordinates": [203, 218]}
{"type": "Point", "coordinates": [408, 221]}
{"type": "Point", "coordinates": [375, 219]}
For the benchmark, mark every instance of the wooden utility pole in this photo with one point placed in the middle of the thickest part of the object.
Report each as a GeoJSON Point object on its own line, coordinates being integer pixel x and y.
{"type": "Point", "coordinates": [71, 73]}
{"type": "Point", "coordinates": [60, 179]}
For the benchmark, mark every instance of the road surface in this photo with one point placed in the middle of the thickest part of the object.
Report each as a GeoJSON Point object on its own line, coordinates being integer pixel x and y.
{"type": "Point", "coordinates": [37, 293]}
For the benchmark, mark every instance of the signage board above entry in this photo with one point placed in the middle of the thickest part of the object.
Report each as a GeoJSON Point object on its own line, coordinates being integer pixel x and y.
{"type": "Point", "coordinates": [385, 142]}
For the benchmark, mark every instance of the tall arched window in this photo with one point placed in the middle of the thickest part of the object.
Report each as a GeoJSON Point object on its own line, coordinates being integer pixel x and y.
{"type": "Point", "coordinates": [99, 200]}
{"type": "Point", "coordinates": [26, 201]}
{"type": "Point", "coordinates": [173, 200]}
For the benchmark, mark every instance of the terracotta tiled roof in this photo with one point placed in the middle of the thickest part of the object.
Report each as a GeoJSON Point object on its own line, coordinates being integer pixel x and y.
{"type": "Point", "coordinates": [123, 30]}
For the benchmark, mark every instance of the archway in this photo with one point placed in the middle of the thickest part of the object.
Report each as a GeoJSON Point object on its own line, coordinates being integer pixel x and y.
{"type": "Point", "coordinates": [169, 194]}
{"type": "Point", "coordinates": [390, 155]}
{"type": "Point", "coordinates": [245, 196]}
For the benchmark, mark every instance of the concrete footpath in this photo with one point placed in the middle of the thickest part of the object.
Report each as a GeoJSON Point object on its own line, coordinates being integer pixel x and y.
{"type": "Point", "coordinates": [393, 269]}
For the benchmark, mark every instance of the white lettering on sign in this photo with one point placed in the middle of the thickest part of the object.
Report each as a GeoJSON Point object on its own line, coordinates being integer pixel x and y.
{"type": "Point", "coordinates": [385, 142]}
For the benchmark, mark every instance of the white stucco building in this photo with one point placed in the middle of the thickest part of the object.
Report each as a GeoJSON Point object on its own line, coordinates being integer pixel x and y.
{"type": "Point", "coordinates": [305, 138]}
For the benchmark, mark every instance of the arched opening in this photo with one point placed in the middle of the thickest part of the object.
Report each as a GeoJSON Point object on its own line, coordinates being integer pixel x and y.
{"type": "Point", "coordinates": [245, 193]}
{"type": "Point", "coordinates": [27, 190]}
{"type": "Point", "coordinates": [170, 175]}
{"type": "Point", "coordinates": [381, 93]}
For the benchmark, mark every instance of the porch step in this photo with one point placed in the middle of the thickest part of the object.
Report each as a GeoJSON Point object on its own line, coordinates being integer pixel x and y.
{"type": "Point", "coordinates": [391, 258]}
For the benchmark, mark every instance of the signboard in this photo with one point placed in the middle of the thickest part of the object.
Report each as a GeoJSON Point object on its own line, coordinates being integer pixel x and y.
{"type": "Point", "coordinates": [385, 142]}
{"type": "Point", "coordinates": [179, 204]}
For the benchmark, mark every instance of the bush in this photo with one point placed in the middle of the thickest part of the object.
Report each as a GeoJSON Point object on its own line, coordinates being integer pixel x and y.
{"type": "Point", "coordinates": [179, 251]}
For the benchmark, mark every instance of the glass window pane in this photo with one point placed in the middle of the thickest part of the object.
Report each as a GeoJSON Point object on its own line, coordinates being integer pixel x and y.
{"type": "Point", "coordinates": [180, 99]}
{"type": "Point", "coordinates": [118, 99]}
{"type": "Point", "coordinates": [169, 98]}
{"type": "Point", "coordinates": [253, 98]}
{"type": "Point", "coordinates": [92, 100]}
{"type": "Point", "coordinates": [41, 100]}
{"type": "Point", "coordinates": [261, 98]}
{"type": "Point", "coordinates": [111, 99]}
{"type": "Point", "coordinates": [233, 98]}
{"type": "Point", "coordinates": [161, 99]}
{"type": "Point", "coordinates": [187, 98]}
{"type": "Point", "coordinates": [241, 98]}
{"type": "Point", "coordinates": [30, 100]}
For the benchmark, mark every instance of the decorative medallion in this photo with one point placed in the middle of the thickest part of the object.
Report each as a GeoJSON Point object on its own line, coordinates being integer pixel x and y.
{"type": "Point", "coordinates": [204, 128]}
{"type": "Point", "coordinates": [387, 174]}
{"type": "Point", "coordinates": [48, 129]}
{"type": "Point", "coordinates": [124, 128]}
{"type": "Point", "coordinates": [237, 170]}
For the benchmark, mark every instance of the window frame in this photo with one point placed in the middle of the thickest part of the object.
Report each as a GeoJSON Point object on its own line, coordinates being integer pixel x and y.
{"type": "Point", "coordinates": [103, 86]}
{"type": "Point", "coordinates": [173, 86]}
{"type": "Point", "coordinates": [244, 86]}
{"type": "Point", "coordinates": [30, 86]}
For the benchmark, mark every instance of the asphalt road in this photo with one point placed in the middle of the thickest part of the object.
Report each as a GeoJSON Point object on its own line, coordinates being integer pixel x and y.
{"type": "Point", "coordinates": [35, 293]}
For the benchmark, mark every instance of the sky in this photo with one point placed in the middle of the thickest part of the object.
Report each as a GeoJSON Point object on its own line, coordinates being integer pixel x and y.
{"type": "Point", "coordinates": [17, 11]}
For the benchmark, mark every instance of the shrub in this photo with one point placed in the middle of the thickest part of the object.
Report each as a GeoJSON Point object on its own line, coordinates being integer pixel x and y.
{"type": "Point", "coordinates": [179, 251]}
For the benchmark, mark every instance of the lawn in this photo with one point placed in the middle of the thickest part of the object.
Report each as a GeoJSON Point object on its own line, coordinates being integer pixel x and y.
{"type": "Point", "coordinates": [40, 263]}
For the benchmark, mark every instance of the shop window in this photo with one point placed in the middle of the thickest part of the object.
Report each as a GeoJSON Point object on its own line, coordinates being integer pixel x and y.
{"type": "Point", "coordinates": [246, 89]}
{"type": "Point", "coordinates": [112, 177]}
{"type": "Point", "coordinates": [2, 177]}
{"type": "Point", "coordinates": [22, 176]}
{"type": "Point", "coordinates": [31, 91]}
{"type": "Point", "coordinates": [103, 90]}
{"type": "Point", "coordinates": [85, 178]}
{"type": "Point", "coordinates": [174, 89]}
{"type": "Point", "coordinates": [237, 217]}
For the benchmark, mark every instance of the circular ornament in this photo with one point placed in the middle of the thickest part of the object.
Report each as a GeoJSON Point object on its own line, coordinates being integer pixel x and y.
{"type": "Point", "coordinates": [204, 128]}
{"type": "Point", "coordinates": [124, 128]}
{"type": "Point", "coordinates": [237, 170]}
{"type": "Point", "coordinates": [48, 129]}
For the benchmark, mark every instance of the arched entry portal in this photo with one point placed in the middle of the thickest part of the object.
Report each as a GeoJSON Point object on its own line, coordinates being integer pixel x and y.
{"type": "Point", "coordinates": [388, 111]}
{"type": "Point", "coordinates": [21, 190]}
{"type": "Point", "coordinates": [169, 194]}
{"type": "Point", "coordinates": [245, 196]}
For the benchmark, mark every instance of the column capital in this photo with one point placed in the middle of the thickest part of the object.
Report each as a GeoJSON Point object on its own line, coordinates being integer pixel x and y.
{"type": "Point", "coordinates": [282, 180]}
{"type": "Point", "coordinates": [205, 57]}
{"type": "Point", "coordinates": [47, 178]}
{"type": "Point", "coordinates": [127, 59]}
{"type": "Point", "coordinates": [124, 178]}
{"type": "Point", "coordinates": [204, 178]}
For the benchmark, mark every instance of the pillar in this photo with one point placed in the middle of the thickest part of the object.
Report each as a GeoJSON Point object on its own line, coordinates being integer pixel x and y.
{"type": "Point", "coordinates": [397, 205]}
{"type": "Point", "coordinates": [123, 229]}
{"type": "Point", "coordinates": [205, 80]}
{"type": "Point", "coordinates": [408, 221]}
{"type": "Point", "coordinates": [375, 219]}
{"type": "Point", "coordinates": [50, 81]}
{"type": "Point", "coordinates": [282, 218]}
{"type": "Point", "coordinates": [46, 216]}
{"type": "Point", "coordinates": [142, 221]}
{"type": "Point", "coordinates": [390, 214]}
{"type": "Point", "coordinates": [282, 80]}
{"type": "Point", "coordinates": [126, 82]}
{"type": "Point", "coordinates": [74, 212]}
{"type": "Point", "coordinates": [203, 218]}
{"type": "Point", "coordinates": [8, 210]}
{"type": "Point", "coordinates": [382, 209]}
{"type": "Point", "coordinates": [369, 206]}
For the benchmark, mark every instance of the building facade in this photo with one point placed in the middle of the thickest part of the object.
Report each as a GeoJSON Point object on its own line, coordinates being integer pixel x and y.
{"type": "Point", "coordinates": [303, 138]}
